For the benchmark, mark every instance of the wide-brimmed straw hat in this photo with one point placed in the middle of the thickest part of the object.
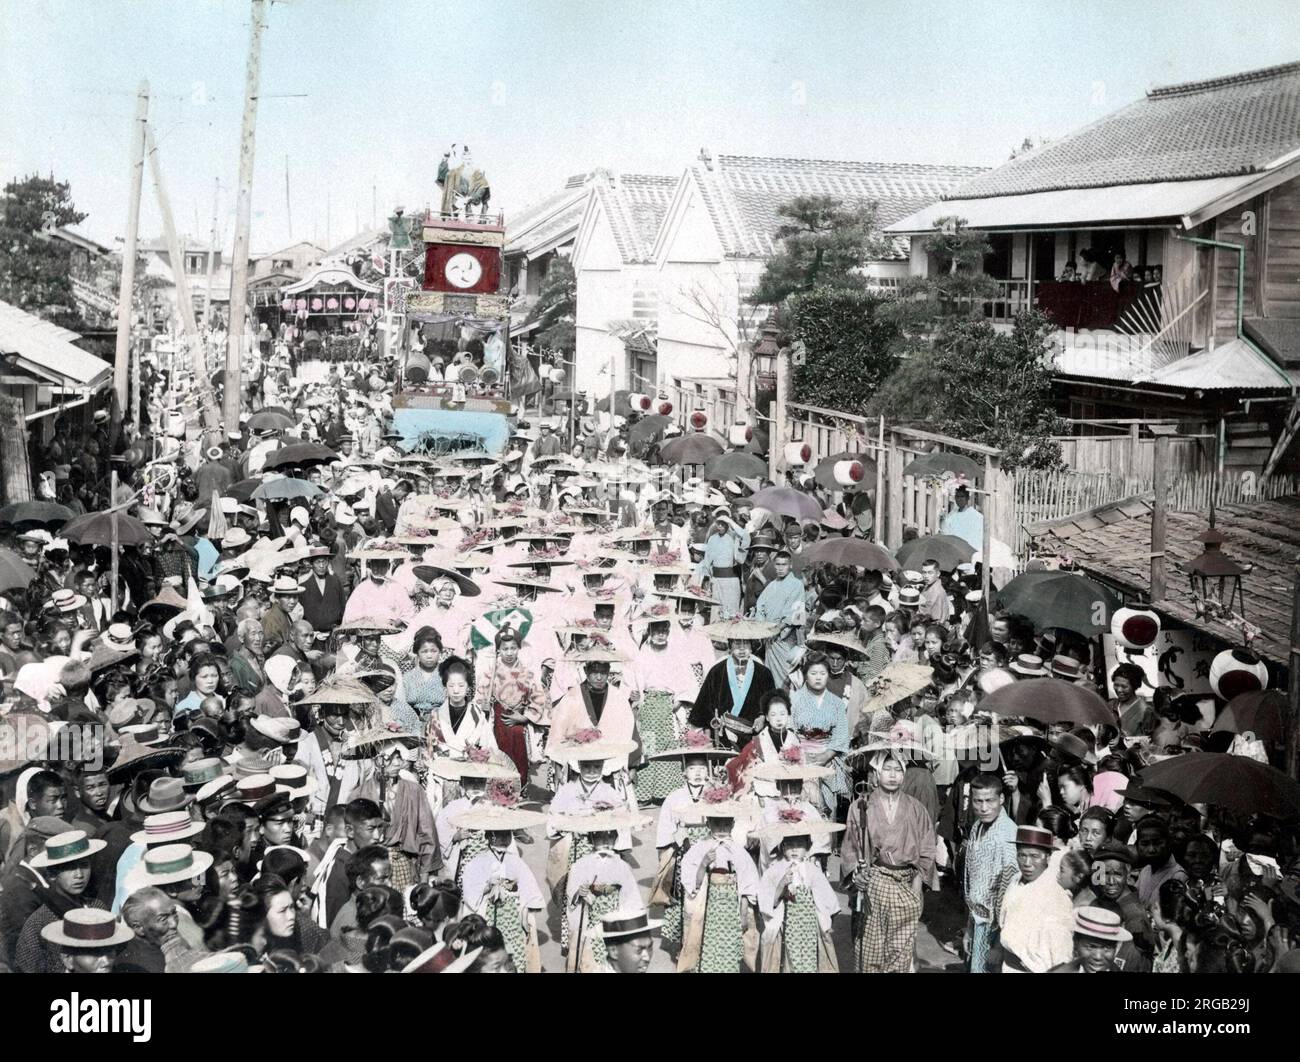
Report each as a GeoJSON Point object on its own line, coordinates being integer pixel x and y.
{"type": "Point", "coordinates": [71, 847]}
{"type": "Point", "coordinates": [87, 929]}
{"type": "Point", "coordinates": [780, 770]}
{"type": "Point", "coordinates": [167, 827]}
{"type": "Point", "coordinates": [595, 654]}
{"type": "Point", "coordinates": [172, 863]}
{"type": "Point", "coordinates": [741, 630]}
{"type": "Point", "coordinates": [611, 820]}
{"type": "Point", "coordinates": [591, 751]}
{"type": "Point", "coordinates": [804, 826]}
{"type": "Point", "coordinates": [1100, 924]}
{"type": "Point", "coordinates": [453, 770]}
{"type": "Point", "coordinates": [488, 816]}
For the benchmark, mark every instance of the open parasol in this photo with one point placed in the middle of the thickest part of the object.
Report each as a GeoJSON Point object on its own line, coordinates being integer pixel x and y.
{"type": "Point", "coordinates": [948, 550]}
{"type": "Point", "coordinates": [899, 680]}
{"type": "Point", "coordinates": [286, 488]}
{"type": "Point", "coordinates": [1060, 599]}
{"type": "Point", "coordinates": [35, 512]}
{"type": "Point", "coordinates": [1259, 712]}
{"type": "Point", "coordinates": [1235, 783]}
{"type": "Point", "coordinates": [734, 464]}
{"type": "Point", "coordinates": [300, 455]}
{"type": "Point", "coordinates": [14, 571]}
{"type": "Point", "coordinates": [96, 529]}
{"type": "Point", "coordinates": [938, 464]}
{"type": "Point", "coordinates": [694, 449]}
{"type": "Point", "coordinates": [1049, 700]}
{"type": "Point", "coordinates": [786, 501]}
{"type": "Point", "coordinates": [243, 490]}
{"type": "Point", "coordinates": [850, 553]}
{"type": "Point", "coordinates": [648, 428]}
{"type": "Point", "coordinates": [270, 419]}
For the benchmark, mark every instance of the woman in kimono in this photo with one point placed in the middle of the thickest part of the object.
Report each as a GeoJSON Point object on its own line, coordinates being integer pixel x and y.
{"type": "Point", "coordinates": [498, 886]}
{"type": "Point", "coordinates": [515, 698]}
{"type": "Point", "coordinates": [822, 722]}
{"type": "Point", "coordinates": [473, 777]}
{"type": "Point", "coordinates": [599, 883]}
{"type": "Point", "coordinates": [888, 852]}
{"type": "Point", "coordinates": [421, 689]}
{"type": "Point", "coordinates": [791, 778]}
{"type": "Point", "coordinates": [796, 900]}
{"type": "Point", "coordinates": [764, 747]}
{"type": "Point", "coordinates": [589, 754]}
{"type": "Point", "coordinates": [665, 687]}
{"type": "Point", "coordinates": [458, 724]}
{"type": "Point", "coordinates": [719, 927]}
{"type": "Point", "coordinates": [681, 825]}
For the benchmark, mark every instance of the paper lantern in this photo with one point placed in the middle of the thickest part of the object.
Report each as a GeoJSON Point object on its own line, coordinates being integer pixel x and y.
{"type": "Point", "coordinates": [699, 419]}
{"type": "Point", "coordinates": [638, 403]}
{"type": "Point", "coordinates": [849, 473]}
{"type": "Point", "coordinates": [349, 303]}
{"type": "Point", "coordinates": [797, 454]}
{"type": "Point", "coordinates": [665, 408]}
{"type": "Point", "coordinates": [286, 304]}
{"type": "Point", "coordinates": [331, 303]}
{"type": "Point", "coordinates": [557, 375]}
{"type": "Point", "coordinates": [316, 304]}
{"type": "Point", "coordinates": [364, 304]}
{"type": "Point", "coordinates": [1237, 671]}
{"type": "Point", "coordinates": [1135, 628]}
{"type": "Point", "coordinates": [301, 304]}
{"type": "Point", "coordinates": [739, 434]}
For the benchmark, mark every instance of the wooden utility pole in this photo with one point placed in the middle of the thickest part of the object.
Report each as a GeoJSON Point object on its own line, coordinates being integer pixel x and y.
{"type": "Point", "coordinates": [1293, 683]}
{"type": "Point", "coordinates": [780, 418]}
{"type": "Point", "coordinates": [243, 218]}
{"type": "Point", "coordinates": [986, 548]}
{"type": "Point", "coordinates": [184, 299]}
{"type": "Point", "coordinates": [1162, 432]}
{"type": "Point", "coordinates": [212, 257]}
{"type": "Point", "coordinates": [126, 290]}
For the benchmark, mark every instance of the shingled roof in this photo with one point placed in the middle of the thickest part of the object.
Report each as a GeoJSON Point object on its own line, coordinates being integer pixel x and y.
{"type": "Point", "coordinates": [635, 204]}
{"type": "Point", "coordinates": [742, 193]}
{"type": "Point", "coordinates": [1225, 126]}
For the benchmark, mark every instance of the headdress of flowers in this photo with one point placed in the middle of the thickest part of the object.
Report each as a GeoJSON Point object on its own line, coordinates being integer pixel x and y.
{"type": "Point", "coordinates": [696, 738]}
{"type": "Point", "coordinates": [717, 794]}
{"type": "Point", "coordinates": [793, 754]}
{"type": "Point", "coordinates": [586, 737]}
{"type": "Point", "coordinates": [791, 815]}
{"type": "Point", "coordinates": [503, 792]}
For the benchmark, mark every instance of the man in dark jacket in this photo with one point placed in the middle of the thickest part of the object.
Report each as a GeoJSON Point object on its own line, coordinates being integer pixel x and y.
{"type": "Point", "coordinates": [323, 597]}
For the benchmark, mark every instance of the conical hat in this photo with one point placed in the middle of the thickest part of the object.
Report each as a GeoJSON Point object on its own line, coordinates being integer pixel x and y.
{"type": "Point", "coordinates": [488, 816]}
{"type": "Point", "coordinates": [844, 641]}
{"type": "Point", "coordinates": [897, 681]}
{"type": "Point", "coordinates": [805, 827]}
{"type": "Point", "coordinates": [595, 654]}
{"type": "Point", "coordinates": [454, 770]}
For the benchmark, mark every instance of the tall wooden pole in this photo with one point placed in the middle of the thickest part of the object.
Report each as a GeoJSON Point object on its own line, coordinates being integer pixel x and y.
{"type": "Point", "coordinates": [243, 218]}
{"type": "Point", "coordinates": [986, 548]}
{"type": "Point", "coordinates": [122, 352]}
{"type": "Point", "coordinates": [1292, 752]}
{"type": "Point", "coordinates": [1158, 513]}
{"type": "Point", "coordinates": [212, 259]}
{"type": "Point", "coordinates": [879, 527]}
{"type": "Point", "coordinates": [780, 423]}
{"type": "Point", "coordinates": [112, 515]}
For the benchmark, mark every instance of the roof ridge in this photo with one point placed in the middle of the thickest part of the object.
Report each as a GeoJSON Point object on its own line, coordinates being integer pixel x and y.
{"type": "Point", "coordinates": [1265, 73]}
{"type": "Point", "coordinates": [852, 162]}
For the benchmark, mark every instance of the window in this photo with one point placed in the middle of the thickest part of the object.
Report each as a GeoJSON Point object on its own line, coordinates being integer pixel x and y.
{"type": "Point", "coordinates": [194, 263]}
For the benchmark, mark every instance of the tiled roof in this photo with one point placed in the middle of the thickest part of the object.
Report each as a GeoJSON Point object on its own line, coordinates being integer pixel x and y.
{"type": "Point", "coordinates": [635, 204]}
{"type": "Point", "coordinates": [49, 347]}
{"type": "Point", "coordinates": [1221, 127]}
{"type": "Point", "coordinates": [742, 193]}
{"type": "Point", "coordinates": [550, 217]}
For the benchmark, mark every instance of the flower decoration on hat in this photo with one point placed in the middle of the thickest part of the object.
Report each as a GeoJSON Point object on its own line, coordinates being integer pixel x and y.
{"type": "Point", "coordinates": [503, 792]}
{"type": "Point", "coordinates": [478, 754]}
{"type": "Point", "coordinates": [585, 737]}
{"type": "Point", "coordinates": [696, 738]}
{"type": "Point", "coordinates": [791, 815]}
{"type": "Point", "coordinates": [793, 754]}
{"type": "Point", "coordinates": [718, 794]}
{"type": "Point", "coordinates": [665, 558]}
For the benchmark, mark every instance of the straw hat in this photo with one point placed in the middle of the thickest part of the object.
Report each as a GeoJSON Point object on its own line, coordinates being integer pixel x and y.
{"type": "Point", "coordinates": [1029, 665]}
{"type": "Point", "coordinates": [87, 929]}
{"type": "Point", "coordinates": [198, 773]}
{"type": "Point", "coordinates": [453, 770]}
{"type": "Point", "coordinates": [1100, 924]}
{"type": "Point", "coordinates": [595, 654]}
{"type": "Point", "coordinates": [488, 816]}
{"type": "Point", "coordinates": [70, 847]}
{"type": "Point", "coordinates": [786, 771]}
{"type": "Point", "coordinates": [590, 751]}
{"type": "Point", "coordinates": [535, 584]}
{"type": "Point", "coordinates": [172, 863]}
{"type": "Point", "coordinates": [805, 826]}
{"type": "Point", "coordinates": [621, 925]}
{"type": "Point", "coordinates": [695, 742]}
{"type": "Point", "coordinates": [610, 820]}
{"type": "Point", "coordinates": [285, 584]}
{"type": "Point", "coordinates": [843, 641]}
{"type": "Point", "coordinates": [167, 826]}
{"type": "Point", "coordinates": [370, 624]}
{"type": "Point", "coordinates": [294, 779]}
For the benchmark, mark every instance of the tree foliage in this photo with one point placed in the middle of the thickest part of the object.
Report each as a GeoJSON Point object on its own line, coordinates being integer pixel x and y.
{"type": "Point", "coordinates": [824, 243]}
{"type": "Point", "coordinates": [557, 307]}
{"type": "Point", "coordinates": [849, 345]}
{"type": "Point", "coordinates": [987, 386]}
{"type": "Point", "coordinates": [35, 270]}
{"type": "Point", "coordinates": [954, 289]}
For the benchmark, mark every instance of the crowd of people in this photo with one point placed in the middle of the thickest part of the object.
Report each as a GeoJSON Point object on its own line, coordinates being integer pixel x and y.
{"type": "Point", "coordinates": [354, 709]}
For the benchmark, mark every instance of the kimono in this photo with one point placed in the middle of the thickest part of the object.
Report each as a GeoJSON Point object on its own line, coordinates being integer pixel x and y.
{"type": "Point", "coordinates": [763, 748]}
{"type": "Point", "coordinates": [782, 603]}
{"type": "Point", "coordinates": [719, 930]}
{"type": "Point", "coordinates": [511, 689]}
{"type": "Point", "coordinates": [575, 798]}
{"type": "Point", "coordinates": [421, 691]}
{"type": "Point", "coordinates": [338, 779]}
{"type": "Point", "coordinates": [513, 909]}
{"type": "Point", "coordinates": [769, 853]}
{"type": "Point", "coordinates": [723, 693]}
{"type": "Point", "coordinates": [988, 852]}
{"type": "Point", "coordinates": [797, 922]}
{"type": "Point", "coordinates": [1036, 923]}
{"type": "Point", "coordinates": [896, 851]}
{"type": "Point", "coordinates": [457, 855]}
{"type": "Point", "coordinates": [723, 556]}
{"type": "Point", "coordinates": [822, 722]}
{"type": "Point", "coordinates": [412, 836]}
{"type": "Point", "coordinates": [614, 888]}
{"type": "Point", "coordinates": [371, 600]}
{"type": "Point", "coordinates": [616, 721]}
{"type": "Point", "coordinates": [664, 680]}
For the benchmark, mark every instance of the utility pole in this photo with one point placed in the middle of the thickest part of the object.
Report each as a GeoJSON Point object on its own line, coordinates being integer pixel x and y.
{"type": "Point", "coordinates": [1162, 432]}
{"type": "Point", "coordinates": [776, 436]}
{"type": "Point", "coordinates": [243, 218]}
{"type": "Point", "coordinates": [1293, 681]}
{"type": "Point", "coordinates": [122, 352]}
{"type": "Point", "coordinates": [212, 258]}
{"type": "Point", "coordinates": [184, 300]}
{"type": "Point", "coordinates": [288, 212]}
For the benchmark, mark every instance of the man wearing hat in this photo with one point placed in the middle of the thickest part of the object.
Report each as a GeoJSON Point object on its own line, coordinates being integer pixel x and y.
{"type": "Point", "coordinates": [214, 476]}
{"type": "Point", "coordinates": [277, 621]}
{"type": "Point", "coordinates": [629, 940]}
{"type": "Point", "coordinates": [1097, 937]}
{"type": "Point", "coordinates": [762, 544]}
{"type": "Point", "coordinates": [88, 940]}
{"type": "Point", "coordinates": [65, 864]}
{"type": "Point", "coordinates": [724, 554]}
{"type": "Point", "coordinates": [1036, 915]}
{"type": "Point", "coordinates": [323, 595]}
{"type": "Point", "coordinates": [24, 887]}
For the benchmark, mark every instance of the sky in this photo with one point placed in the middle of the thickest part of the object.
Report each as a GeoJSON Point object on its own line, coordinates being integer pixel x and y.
{"type": "Point", "coordinates": [360, 98]}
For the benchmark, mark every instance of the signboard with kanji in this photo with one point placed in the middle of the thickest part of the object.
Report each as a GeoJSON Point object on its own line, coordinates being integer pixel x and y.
{"type": "Point", "coordinates": [1179, 661]}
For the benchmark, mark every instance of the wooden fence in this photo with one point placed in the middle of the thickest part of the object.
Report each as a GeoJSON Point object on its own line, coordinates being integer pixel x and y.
{"type": "Point", "coordinates": [1133, 456]}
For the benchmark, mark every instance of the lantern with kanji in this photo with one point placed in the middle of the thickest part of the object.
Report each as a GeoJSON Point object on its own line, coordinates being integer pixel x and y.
{"type": "Point", "coordinates": [1216, 579]}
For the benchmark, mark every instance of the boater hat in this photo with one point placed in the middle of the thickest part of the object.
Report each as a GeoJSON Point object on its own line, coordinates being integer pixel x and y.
{"type": "Point", "coordinates": [1034, 837]}
{"type": "Point", "coordinates": [1100, 924]}
{"type": "Point", "coordinates": [621, 925]}
{"type": "Point", "coordinates": [70, 847]}
{"type": "Point", "coordinates": [87, 929]}
{"type": "Point", "coordinates": [167, 827]}
{"type": "Point", "coordinates": [173, 863]}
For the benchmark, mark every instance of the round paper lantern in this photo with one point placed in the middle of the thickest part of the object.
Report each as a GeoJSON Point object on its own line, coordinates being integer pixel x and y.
{"type": "Point", "coordinates": [301, 304]}
{"type": "Point", "coordinates": [665, 408]}
{"type": "Point", "coordinates": [286, 304]}
{"type": "Point", "coordinates": [1237, 671]}
{"type": "Point", "coordinates": [365, 304]}
{"type": "Point", "coordinates": [331, 303]}
{"type": "Point", "coordinates": [316, 304]}
{"type": "Point", "coordinates": [349, 303]}
{"type": "Point", "coordinates": [849, 473]}
{"type": "Point", "coordinates": [699, 419]}
{"type": "Point", "coordinates": [638, 403]}
{"type": "Point", "coordinates": [1135, 628]}
{"type": "Point", "coordinates": [797, 454]}
{"type": "Point", "coordinates": [557, 375]}
{"type": "Point", "coordinates": [738, 435]}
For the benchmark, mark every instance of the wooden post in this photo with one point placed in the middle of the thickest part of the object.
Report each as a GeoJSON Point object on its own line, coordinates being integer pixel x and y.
{"type": "Point", "coordinates": [243, 218]}
{"type": "Point", "coordinates": [780, 419]}
{"type": "Point", "coordinates": [212, 257]}
{"type": "Point", "coordinates": [112, 515]}
{"type": "Point", "coordinates": [895, 538]}
{"type": "Point", "coordinates": [880, 484]}
{"type": "Point", "coordinates": [1162, 432]}
{"type": "Point", "coordinates": [986, 548]}
{"type": "Point", "coordinates": [13, 450]}
{"type": "Point", "coordinates": [126, 289]}
{"type": "Point", "coordinates": [1293, 682]}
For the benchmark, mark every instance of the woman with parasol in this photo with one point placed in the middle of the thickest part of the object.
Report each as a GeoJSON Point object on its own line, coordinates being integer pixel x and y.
{"type": "Point", "coordinates": [794, 897]}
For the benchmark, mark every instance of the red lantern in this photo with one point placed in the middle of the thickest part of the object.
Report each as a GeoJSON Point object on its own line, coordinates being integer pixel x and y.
{"type": "Point", "coordinates": [349, 303]}
{"type": "Point", "coordinates": [665, 408]}
{"type": "Point", "coordinates": [699, 419]}
{"type": "Point", "coordinates": [848, 473]}
{"type": "Point", "coordinates": [301, 304]}
{"type": "Point", "coordinates": [316, 304]}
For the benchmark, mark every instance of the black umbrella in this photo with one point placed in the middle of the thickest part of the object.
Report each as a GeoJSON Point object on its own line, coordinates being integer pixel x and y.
{"type": "Point", "coordinates": [850, 553]}
{"type": "Point", "coordinates": [824, 473]}
{"type": "Point", "coordinates": [35, 512]}
{"type": "Point", "coordinates": [734, 464]}
{"type": "Point", "coordinates": [243, 490]}
{"type": "Point", "coordinates": [1049, 700]}
{"type": "Point", "coordinates": [694, 449]}
{"type": "Point", "coordinates": [96, 529]}
{"type": "Point", "coordinates": [647, 428]}
{"type": "Point", "coordinates": [948, 550]}
{"type": "Point", "coordinates": [940, 464]}
{"type": "Point", "coordinates": [300, 455]}
{"type": "Point", "coordinates": [14, 571]}
{"type": "Point", "coordinates": [1236, 783]}
{"type": "Point", "coordinates": [1060, 599]}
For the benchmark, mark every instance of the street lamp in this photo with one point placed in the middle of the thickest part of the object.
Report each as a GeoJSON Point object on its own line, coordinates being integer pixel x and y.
{"type": "Point", "coordinates": [1216, 579]}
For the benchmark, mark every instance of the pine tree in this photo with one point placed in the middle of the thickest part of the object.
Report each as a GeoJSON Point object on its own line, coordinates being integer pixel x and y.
{"type": "Point", "coordinates": [35, 269]}
{"type": "Point", "coordinates": [557, 307]}
{"type": "Point", "coordinates": [824, 245]}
